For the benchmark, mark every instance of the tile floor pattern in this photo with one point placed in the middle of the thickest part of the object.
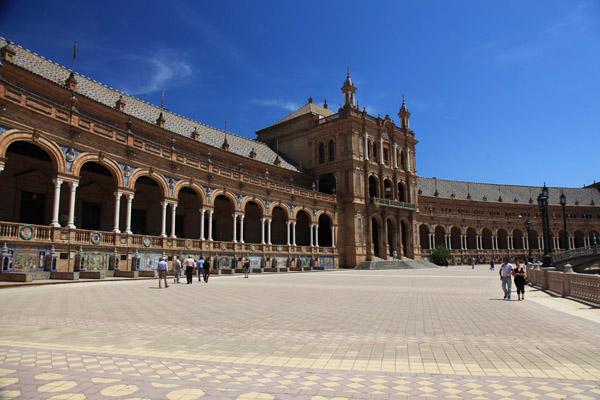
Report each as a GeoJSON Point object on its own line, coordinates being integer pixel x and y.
{"type": "Point", "coordinates": [331, 335]}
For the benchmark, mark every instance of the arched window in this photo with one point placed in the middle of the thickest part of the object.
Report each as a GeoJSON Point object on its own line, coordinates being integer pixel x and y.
{"type": "Point", "coordinates": [331, 150]}
{"type": "Point", "coordinates": [374, 151]}
{"type": "Point", "coordinates": [321, 153]}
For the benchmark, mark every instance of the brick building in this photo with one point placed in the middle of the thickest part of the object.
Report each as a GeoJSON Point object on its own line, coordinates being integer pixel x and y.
{"type": "Point", "coordinates": [98, 182]}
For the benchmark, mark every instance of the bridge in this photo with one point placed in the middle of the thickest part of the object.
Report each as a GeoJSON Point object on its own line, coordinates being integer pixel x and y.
{"type": "Point", "coordinates": [580, 258]}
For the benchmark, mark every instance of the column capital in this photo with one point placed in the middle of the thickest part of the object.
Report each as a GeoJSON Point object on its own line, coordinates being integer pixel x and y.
{"type": "Point", "coordinates": [57, 181]}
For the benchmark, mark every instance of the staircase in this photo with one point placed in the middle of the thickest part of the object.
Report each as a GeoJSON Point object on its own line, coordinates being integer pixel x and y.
{"type": "Point", "coordinates": [407, 263]}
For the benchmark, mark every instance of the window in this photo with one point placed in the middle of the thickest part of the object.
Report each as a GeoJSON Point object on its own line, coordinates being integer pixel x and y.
{"type": "Point", "coordinates": [358, 191]}
{"type": "Point", "coordinates": [385, 156]}
{"type": "Point", "coordinates": [331, 150]}
{"type": "Point", "coordinates": [374, 151]}
{"type": "Point", "coordinates": [321, 153]}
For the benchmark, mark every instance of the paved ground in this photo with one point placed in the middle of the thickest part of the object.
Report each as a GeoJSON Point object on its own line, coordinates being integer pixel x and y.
{"type": "Point", "coordinates": [328, 335]}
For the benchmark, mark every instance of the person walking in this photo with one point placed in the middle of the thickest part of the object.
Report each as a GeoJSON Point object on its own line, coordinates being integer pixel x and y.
{"type": "Point", "coordinates": [206, 270]}
{"type": "Point", "coordinates": [177, 269]}
{"type": "Point", "coordinates": [200, 268]}
{"type": "Point", "coordinates": [189, 265]}
{"type": "Point", "coordinates": [520, 273]}
{"type": "Point", "coordinates": [246, 266]}
{"type": "Point", "coordinates": [162, 269]}
{"type": "Point", "coordinates": [506, 271]}
{"type": "Point", "coordinates": [492, 265]}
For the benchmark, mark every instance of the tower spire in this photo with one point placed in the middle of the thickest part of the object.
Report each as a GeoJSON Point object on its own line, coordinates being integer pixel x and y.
{"type": "Point", "coordinates": [348, 89]}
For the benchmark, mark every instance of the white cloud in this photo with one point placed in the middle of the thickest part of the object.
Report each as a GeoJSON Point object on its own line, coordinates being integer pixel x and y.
{"type": "Point", "coordinates": [163, 69]}
{"type": "Point", "coordinates": [286, 105]}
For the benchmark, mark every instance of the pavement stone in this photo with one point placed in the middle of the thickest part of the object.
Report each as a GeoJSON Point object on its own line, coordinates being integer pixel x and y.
{"type": "Point", "coordinates": [331, 335]}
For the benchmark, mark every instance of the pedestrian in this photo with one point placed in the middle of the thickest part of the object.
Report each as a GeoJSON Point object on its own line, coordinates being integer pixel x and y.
{"type": "Point", "coordinates": [472, 262]}
{"type": "Point", "coordinates": [162, 269]}
{"type": "Point", "coordinates": [177, 269]}
{"type": "Point", "coordinates": [520, 274]}
{"type": "Point", "coordinates": [200, 268]}
{"type": "Point", "coordinates": [506, 271]}
{"type": "Point", "coordinates": [206, 270]}
{"type": "Point", "coordinates": [492, 265]}
{"type": "Point", "coordinates": [246, 266]}
{"type": "Point", "coordinates": [189, 265]}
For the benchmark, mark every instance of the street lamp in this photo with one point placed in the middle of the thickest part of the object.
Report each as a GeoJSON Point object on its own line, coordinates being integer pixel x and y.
{"type": "Point", "coordinates": [563, 203]}
{"type": "Point", "coordinates": [528, 229]}
{"type": "Point", "coordinates": [543, 204]}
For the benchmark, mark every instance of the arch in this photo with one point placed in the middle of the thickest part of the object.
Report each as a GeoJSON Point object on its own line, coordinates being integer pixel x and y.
{"type": "Point", "coordinates": [486, 239]}
{"type": "Point", "coordinates": [283, 206]}
{"type": "Point", "coordinates": [391, 234]}
{"type": "Point", "coordinates": [303, 226]}
{"type": "Point", "coordinates": [402, 192]}
{"type": "Point", "coordinates": [111, 165]}
{"type": "Point", "coordinates": [158, 178]}
{"type": "Point", "coordinates": [52, 149]}
{"type": "Point", "coordinates": [253, 212]}
{"type": "Point", "coordinates": [387, 189]}
{"type": "Point", "coordinates": [518, 239]}
{"type": "Point", "coordinates": [533, 240]}
{"type": "Point", "coordinates": [440, 236]}
{"type": "Point", "coordinates": [502, 239]}
{"type": "Point", "coordinates": [404, 227]}
{"type": "Point", "coordinates": [373, 186]}
{"type": "Point", "coordinates": [321, 153]}
{"type": "Point", "coordinates": [327, 213]}
{"type": "Point", "coordinates": [375, 240]}
{"type": "Point", "coordinates": [578, 238]}
{"type": "Point", "coordinates": [258, 202]}
{"type": "Point", "coordinates": [229, 195]}
{"type": "Point", "coordinates": [223, 217]}
{"type": "Point", "coordinates": [424, 236]}
{"type": "Point", "coordinates": [455, 238]}
{"type": "Point", "coordinates": [188, 215]}
{"type": "Point", "coordinates": [194, 186]}
{"type": "Point", "coordinates": [471, 238]}
{"type": "Point", "coordinates": [325, 224]}
{"type": "Point", "coordinates": [328, 183]}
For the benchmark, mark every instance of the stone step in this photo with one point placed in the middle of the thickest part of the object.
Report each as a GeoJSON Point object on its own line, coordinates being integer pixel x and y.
{"type": "Point", "coordinates": [396, 264]}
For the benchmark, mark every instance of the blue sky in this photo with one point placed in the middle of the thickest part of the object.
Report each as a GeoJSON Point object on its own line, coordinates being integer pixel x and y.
{"type": "Point", "coordinates": [500, 91]}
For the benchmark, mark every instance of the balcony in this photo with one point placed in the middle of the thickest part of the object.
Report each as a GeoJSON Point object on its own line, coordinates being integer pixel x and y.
{"type": "Point", "coordinates": [392, 203]}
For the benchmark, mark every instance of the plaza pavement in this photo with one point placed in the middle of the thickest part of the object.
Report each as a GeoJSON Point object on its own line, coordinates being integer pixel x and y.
{"type": "Point", "coordinates": [440, 333]}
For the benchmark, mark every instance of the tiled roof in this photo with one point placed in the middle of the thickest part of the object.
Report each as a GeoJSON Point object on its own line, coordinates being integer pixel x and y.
{"type": "Point", "coordinates": [137, 108]}
{"type": "Point", "coordinates": [508, 193]}
{"type": "Point", "coordinates": [310, 108]}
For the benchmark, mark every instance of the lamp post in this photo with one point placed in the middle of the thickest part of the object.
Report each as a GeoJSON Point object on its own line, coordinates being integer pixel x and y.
{"type": "Point", "coordinates": [543, 204]}
{"type": "Point", "coordinates": [528, 229]}
{"type": "Point", "coordinates": [563, 203]}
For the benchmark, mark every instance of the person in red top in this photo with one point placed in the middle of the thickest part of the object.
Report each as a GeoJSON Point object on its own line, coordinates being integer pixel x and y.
{"type": "Point", "coordinates": [189, 265]}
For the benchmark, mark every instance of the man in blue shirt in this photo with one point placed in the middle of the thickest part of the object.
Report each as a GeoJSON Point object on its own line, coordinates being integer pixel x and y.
{"type": "Point", "coordinates": [200, 268]}
{"type": "Point", "coordinates": [162, 269]}
{"type": "Point", "coordinates": [506, 271]}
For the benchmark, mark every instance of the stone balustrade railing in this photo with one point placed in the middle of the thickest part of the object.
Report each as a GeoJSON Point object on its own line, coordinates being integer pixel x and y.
{"type": "Point", "coordinates": [567, 284]}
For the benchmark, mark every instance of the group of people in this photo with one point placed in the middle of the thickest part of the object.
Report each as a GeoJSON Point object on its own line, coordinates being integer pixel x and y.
{"type": "Point", "coordinates": [189, 265]}
{"type": "Point", "coordinates": [508, 272]}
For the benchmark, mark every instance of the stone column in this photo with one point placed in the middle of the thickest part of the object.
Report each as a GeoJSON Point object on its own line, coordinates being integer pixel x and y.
{"type": "Point", "coordinates": [117, 211]}
{"type": "Point", "coordinates": [173, 210]}
{"type": "Point", "coordinates": [312, 232]}
{"type": "Point", "coordinates": [366, 146]}
{"type": "Point", "coordinates": [128, 216]}
{"type": "Point", "coordinates": [381, 150]}
{"type": "Point", "coordinates": [408, 160]}
{"type": "Point", "coordinates": [540, 243]}
{"type": "Point", "coordinates": [294, 233]}
{"type": "Point", "coordinates": [316, 235]}
{"type": "Point", "coordinates": [202, 211]}
{"type": "Point", "coordinates": [242, 228]}
{"type": "Point", "coordinates": [234, 227]}
{"type": "Point", "coordinates": [163, 225]}
{"type": "Point", "coordinates": [57, 182]}
{"type": "Point", "coordinates": [262, 231]}
{"type": "Point", "coordinates": [525, 244]}
{"type": "Point", "coordinates": [287, 231]}
{"type": "Point", "coordinates": [210, 218]}
{"type": "Point", "coordinates": [396, 155]}
{"type": "Point", "coordinates": [71, 223]}
{"type": "Point", "coordinates": [332, 236]}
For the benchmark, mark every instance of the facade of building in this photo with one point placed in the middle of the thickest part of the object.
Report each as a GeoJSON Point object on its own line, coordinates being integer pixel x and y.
{"type": "Point", "coordinates": [98, 183]}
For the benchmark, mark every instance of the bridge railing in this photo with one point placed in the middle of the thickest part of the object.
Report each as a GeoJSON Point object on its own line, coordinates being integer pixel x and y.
{"type": "Point", "coordinates": [567, 284]}
{"type": "Point", "coordinates": [575, 253]}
